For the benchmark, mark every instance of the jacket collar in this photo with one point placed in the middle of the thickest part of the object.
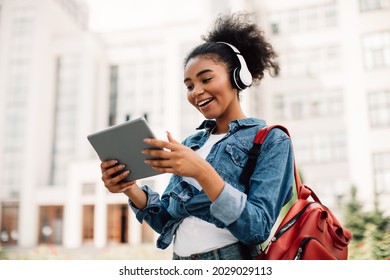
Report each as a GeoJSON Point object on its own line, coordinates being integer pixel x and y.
{"type": "Point", "coordinates": [233, 125]}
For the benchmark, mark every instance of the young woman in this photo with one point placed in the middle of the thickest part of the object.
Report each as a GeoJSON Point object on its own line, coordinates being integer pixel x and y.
{"type": "Point", "coordinates": [204, 211]}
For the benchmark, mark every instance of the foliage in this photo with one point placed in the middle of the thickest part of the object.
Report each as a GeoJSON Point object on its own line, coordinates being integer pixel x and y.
{"type": "Point", "coordinates": [371, 231]}
{"type": "Point", "coordinates": [354, 216]}
{"type": "Point", "coordinates": [3, 255]}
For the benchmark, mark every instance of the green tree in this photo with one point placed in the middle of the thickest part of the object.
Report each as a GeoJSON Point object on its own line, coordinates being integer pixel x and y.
{"type": "Point", "coordinates": [3, 255]}
{"type": "Point", "coordinates": [371, 231]}
{"type": "Point", "coordinates": [354, 216]}
{"type": "Point", "coordinates": [380, 235]}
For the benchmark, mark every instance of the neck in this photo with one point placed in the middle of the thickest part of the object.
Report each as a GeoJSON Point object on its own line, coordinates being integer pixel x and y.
{"type": "Point", "coordinates": [222, 125]}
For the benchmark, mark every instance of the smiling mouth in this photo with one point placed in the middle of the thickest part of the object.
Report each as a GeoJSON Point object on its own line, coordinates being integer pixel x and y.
{"type": "Point", "coordinates": [205, 102]}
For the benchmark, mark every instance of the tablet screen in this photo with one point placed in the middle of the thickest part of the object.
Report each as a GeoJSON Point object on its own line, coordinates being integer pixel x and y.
{"type": "Point", "coordinates": [124, 142]}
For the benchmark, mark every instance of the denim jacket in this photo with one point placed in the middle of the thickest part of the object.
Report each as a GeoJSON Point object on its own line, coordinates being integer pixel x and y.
{"type": "Point", "coordinates": [248, 217]}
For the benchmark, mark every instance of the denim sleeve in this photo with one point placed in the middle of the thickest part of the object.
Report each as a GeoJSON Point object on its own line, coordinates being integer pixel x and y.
{"type": "Point", "coordinates": [155, 213]}
{"type": "Point", "coordinates": [229, 199]}
{"type": "Point", "coordinates": [251, 217]}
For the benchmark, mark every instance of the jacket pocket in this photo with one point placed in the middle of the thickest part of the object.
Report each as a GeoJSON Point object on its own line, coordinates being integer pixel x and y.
{"type": "Point", "coordinates": [237, 156]}
{"type": "Point", "coordinates": [232, 164]}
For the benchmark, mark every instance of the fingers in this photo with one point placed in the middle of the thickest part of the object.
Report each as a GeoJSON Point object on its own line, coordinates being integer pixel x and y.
{"type": "Point", "coordinates": [157, 163]}
{"type": "Point", "coordinates": [162, 165]}
{"type": "Point", "coordinates": [115, 180]}
{"type": "Point", "coordinates": [116, 185]}
{"type": "Point", "coordinates": [160, 144]}
{"type": "Point", "coordinates": [107, 164]}
{"type": "Point", "coordinates": [170, 138]}
{"type": "Point", "coordinates": [112, 175]}
{"type": "Point", "coordinates": [160, 154]}
{"type": "Point", "coordinates": [167, 166]}
{"type": "Point", "coordinates": [121, 187]}
{"type": "Point", "coordinates": [115, 169]}
{"type": "Point", "coordinates": [165, 147]}
{"type": "Point", "coordinates": [165, 169]}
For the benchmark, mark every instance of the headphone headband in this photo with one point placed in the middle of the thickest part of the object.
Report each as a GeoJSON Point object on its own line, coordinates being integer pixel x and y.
{"type": "Point", "coordinates": [242, 77]}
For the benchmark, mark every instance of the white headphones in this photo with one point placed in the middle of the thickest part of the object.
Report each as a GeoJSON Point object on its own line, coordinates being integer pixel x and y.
{"type": "Point", "coordinates": [241, 77]}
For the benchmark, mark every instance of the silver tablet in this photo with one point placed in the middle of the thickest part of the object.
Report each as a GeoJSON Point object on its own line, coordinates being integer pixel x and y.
{"type": "Point", "coordinates": [124, 142]}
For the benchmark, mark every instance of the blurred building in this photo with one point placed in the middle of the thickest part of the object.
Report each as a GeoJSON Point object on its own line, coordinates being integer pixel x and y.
{"type": "Point", "coordinates": [59, 82]}
{"type": "Point", "coordinates": [333, 94]}
{"type": "Point", "coordinates": [51, 77]}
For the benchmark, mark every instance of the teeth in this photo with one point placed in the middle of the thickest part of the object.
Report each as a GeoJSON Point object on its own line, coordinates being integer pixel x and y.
{"type": "Point", "coordinates": [204, 102]}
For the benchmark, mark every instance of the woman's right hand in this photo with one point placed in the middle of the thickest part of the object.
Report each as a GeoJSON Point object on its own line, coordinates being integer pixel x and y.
{"type": "Point", "coordinates": [112, 176]}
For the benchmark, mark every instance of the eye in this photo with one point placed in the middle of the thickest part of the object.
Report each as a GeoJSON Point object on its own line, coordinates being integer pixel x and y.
{"type": "Point", "coordinates": [206, 80]}
{"type": "Point", "coordinates": [189, 87]}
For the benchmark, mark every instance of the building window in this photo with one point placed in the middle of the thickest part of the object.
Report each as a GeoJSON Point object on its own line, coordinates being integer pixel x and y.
{"type": "Point", "coordinates": [117, 223]}
{"type": "Point", "coordinates": [113, 95]}
{"type": "Point", "coordinates": [152, 94]}
{"type": "Point", "coordinates": [376, 50]}
{"type": "Point", "coordinates": [147, 233]}
{"type": "Point", "coordinates": [382, 172]}
{"type": "Point", "coordinates": [50, 224]}
{"type": "Point", "coordinates": [308, 105]}
{"type": "Point", "coordinates": [77, 10]}
{"type": "Point", "coordinates": [9, 223]}
{"type": "Point", "coordinates": [88, 188]}
{"type": "Point", "coordinates": [18, 75]}
{"type": "Point", "coordinates": [275, 28]}
{"type": "Point", "coordinates": [130, 89]}
{"type": "Point", "coordinates": [311, 62]}
{"type": "Point", "coordinates": [304, 19]}
{"type": "Point", "coordinates": [379, 108]}
{"type": "Point", "coordinates": [88, 223]}
{"type": "Point", "coordinates": [330, 15]}
{"type": "Point", "coordinates": [303, 149]}
{"type": "Point", "coordinates": [370, 5]}
{"type": "Point", "coordinates": [321, 147]}
{"type": "Point", "coordinates": [65, 117]}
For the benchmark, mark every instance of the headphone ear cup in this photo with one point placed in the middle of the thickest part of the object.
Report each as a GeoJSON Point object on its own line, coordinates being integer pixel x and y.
{"type": "Point", "coordinates": [241, 77]}
{"type": "Point", "coordinates": [236, 79]}
{"type": "Point", "coordinates": [244, 76]}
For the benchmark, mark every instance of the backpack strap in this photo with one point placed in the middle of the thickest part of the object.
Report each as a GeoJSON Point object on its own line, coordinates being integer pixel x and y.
{"type": "Point", "coordinates": [302, 191]}
{"type": "Point", "coordinates": [254, 153]}
{"type": "Point", "coordinates": [250, 164]}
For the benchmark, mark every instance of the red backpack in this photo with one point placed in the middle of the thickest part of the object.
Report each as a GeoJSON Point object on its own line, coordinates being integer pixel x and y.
{"type": "Point", "coordinates": [309, 230]}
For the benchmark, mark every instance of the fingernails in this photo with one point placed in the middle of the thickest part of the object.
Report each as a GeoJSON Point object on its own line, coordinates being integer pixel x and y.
{"type": "Point", "coordinates": [147, 140]}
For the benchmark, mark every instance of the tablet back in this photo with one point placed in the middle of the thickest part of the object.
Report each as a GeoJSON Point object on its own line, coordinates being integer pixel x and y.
{"type": "Point", "coordinates": [124, 142]}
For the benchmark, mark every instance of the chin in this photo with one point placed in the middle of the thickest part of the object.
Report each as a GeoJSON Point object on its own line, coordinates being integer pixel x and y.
{"type": "Point", "coordinates": [209, 116]}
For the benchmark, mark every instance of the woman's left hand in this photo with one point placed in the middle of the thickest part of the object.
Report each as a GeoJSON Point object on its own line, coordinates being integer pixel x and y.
{"type": "Point", "coordinates": [174, 158]}
{"type": "Point", "coordinates": [183, 161]}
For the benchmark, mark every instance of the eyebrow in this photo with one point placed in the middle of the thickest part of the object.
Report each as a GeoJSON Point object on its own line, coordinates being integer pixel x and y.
{"type": "Point", "coordinates": [200, 73]}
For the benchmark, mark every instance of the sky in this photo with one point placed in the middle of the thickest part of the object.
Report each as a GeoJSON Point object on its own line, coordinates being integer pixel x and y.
{"type": "Point", "coordinates": [112, 15]}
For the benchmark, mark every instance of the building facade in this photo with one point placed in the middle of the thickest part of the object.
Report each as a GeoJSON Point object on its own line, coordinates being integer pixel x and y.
{"type": "Point", "coordinates": [59, 82]}
{"type": "Point", "coordinates": [50, 83]}
{"type": "Point", "coordinates": [332, 93]}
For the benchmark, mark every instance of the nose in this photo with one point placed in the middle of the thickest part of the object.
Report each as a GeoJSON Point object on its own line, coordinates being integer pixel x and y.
{"type": "Point", "coordinates": [198, 89]}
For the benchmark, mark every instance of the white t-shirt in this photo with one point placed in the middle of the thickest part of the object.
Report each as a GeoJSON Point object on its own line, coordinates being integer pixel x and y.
{"type": "Point", "coordinates": [195, 235]}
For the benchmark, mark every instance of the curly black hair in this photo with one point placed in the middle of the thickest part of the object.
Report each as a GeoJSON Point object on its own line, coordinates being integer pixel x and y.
{"type": "Point", "coordinates": [240, 30]}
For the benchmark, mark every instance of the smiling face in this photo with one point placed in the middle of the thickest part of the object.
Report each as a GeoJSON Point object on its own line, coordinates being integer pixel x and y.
{"type": "Point", "coordinates": [210, 91]}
